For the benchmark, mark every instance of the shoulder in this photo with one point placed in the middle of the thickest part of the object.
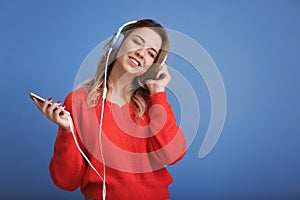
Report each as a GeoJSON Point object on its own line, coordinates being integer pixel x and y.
{"type": "Point", "coordinates": [77, 95]}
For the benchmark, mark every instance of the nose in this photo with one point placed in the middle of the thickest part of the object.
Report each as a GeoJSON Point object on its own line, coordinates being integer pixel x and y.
{"type": "Point", "coordinates": [141, 52]}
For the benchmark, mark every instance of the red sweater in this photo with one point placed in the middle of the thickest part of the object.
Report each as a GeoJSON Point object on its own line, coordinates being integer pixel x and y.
{"type": "Point", "coordinates": [135, 153]}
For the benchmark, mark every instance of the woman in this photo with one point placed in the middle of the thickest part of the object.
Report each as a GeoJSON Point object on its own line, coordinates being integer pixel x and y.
{"type": "Point", "coordinates": [139, 136]}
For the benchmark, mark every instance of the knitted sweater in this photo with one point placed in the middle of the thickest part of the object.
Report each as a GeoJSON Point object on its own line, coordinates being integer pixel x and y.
{"type": "Point", "coordinates": [135, 152]}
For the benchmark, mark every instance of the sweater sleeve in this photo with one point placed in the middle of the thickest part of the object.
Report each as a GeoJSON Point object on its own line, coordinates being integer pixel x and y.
{"type": "Point", "coordinates": [67, 166]}
{"type": "Point", "coordinates": [167, 144]}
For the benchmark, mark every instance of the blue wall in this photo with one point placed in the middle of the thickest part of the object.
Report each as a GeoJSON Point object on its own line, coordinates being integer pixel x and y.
{"type": "Point", "coordinates": [255, 45]}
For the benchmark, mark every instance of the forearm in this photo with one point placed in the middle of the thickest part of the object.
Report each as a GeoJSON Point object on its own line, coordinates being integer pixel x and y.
{"type": "Point", "coordinates": [67, 166]}
{"type": "Point", "coordinates": [167, 143]}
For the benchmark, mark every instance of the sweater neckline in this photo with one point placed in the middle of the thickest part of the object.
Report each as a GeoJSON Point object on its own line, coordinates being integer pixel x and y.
{"type": "Point", "coordinates": [113, 104]}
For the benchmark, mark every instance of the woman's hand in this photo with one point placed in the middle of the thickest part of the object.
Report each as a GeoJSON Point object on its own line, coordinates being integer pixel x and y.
{"type": "Point", "coordinates": [162, 79]}
{"type": "Point", "coordinates": [54, 112]}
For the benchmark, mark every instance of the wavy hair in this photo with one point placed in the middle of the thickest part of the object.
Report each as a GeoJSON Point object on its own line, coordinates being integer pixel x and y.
{"type": "Point", "coordinates": [139, 94]}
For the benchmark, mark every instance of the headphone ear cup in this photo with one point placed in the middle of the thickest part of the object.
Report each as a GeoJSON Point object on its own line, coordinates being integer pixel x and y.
{"type": "Point", "coordinates": [117, 43]}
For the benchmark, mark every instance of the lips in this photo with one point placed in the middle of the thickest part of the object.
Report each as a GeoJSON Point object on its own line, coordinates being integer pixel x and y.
{"type": "Point", "coordinates": [134, 61]}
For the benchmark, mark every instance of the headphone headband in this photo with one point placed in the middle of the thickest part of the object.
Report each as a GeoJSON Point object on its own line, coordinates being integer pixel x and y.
{"type": "Point", "coordinates": [124, 25]}
{"type": "Point", "coordinates": [118, 37]}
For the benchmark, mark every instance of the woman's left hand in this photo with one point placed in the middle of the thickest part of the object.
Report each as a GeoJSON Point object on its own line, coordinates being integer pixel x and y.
{"type": "Point", "coordinates": [162, 79]}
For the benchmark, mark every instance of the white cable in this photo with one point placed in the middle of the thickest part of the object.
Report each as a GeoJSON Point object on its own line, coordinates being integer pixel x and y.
{"type": "Point", "coordinates": [101, 122]}
{"type": "Point", "coordinates": [100, 132]}
{"type": "Point", "coordinates": [78, 147]}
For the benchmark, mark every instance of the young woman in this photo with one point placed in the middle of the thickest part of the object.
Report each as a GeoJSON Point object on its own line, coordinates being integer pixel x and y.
{"type": "Point", "coordinates": [126, 159]}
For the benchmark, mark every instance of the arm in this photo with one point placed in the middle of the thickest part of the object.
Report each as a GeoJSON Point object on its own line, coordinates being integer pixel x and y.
{"type": "Point", "coordinates": [67, 166]}
{"type": "Point", "coordinates": [167, 143]}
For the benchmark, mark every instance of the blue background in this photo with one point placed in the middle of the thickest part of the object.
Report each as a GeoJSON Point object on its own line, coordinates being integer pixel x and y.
{"type": "Point", "coordinates": [255, 45]}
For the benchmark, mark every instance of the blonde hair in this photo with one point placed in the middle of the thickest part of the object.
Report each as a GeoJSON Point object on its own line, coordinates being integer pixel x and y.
{"type": "Point", "coordinates": [139, 94]}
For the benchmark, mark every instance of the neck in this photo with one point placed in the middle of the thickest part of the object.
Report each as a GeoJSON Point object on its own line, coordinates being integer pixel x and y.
{"type": "Point", "coordinates": [119, 83]}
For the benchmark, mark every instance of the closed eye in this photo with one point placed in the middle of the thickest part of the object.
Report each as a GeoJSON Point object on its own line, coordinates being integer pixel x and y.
{"type": "Point", "coordinates": [152, 53]}
{"type": "Point", "coordinates": [138, 40]}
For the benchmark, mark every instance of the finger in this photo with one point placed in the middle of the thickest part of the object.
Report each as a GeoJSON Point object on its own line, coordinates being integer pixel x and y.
{"type": "Point", "coordinates": [150, 81]}
{"type": "Point", "coordinates": [59, 111]}
{"type": "Point", "coordinates": [52, 107]}
{"type": "Point", "coordinates": [37, 103]}
{"type": "Point", "coordinates": [46, 104]}
{"type": "Point", "coordinates": [59, 117]}
{"type": "Point", "coordinates": [55, 106]}
{"type": "Point", "coordinates": [164, 65]}
{"type": "Point", "coordinates": [160, 73]}
{"type": "Point", "coordinates": [155, 82]}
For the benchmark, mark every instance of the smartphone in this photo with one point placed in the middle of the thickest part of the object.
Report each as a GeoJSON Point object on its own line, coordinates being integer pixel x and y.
{"type": "Point", "coordinates": [41, 100]}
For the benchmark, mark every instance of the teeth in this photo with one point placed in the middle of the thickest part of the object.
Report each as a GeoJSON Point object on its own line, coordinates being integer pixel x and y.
{"type": "Point", "coordinates": [134, 61]}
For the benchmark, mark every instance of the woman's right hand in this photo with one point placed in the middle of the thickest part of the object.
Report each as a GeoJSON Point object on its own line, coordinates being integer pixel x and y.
{"type": "Point", "coordinates": [54, 113]}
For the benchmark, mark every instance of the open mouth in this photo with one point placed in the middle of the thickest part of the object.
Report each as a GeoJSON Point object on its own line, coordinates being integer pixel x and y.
{"type": "Point", "coordinates": [135, 61]}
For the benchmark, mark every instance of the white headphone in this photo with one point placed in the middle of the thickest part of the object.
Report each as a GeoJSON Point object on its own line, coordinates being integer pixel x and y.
{"type": "Point", "coordinates": [115, 43]}
{"type": "Point", "coordinates": [117, 39]}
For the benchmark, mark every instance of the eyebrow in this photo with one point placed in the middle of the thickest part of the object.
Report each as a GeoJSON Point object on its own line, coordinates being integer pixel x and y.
{"type": "Point", "coordinates": [145, 42]}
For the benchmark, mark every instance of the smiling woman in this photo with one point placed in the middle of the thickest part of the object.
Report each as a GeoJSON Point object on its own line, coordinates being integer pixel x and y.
{"type": "Point", "coordinates": [157, 44]}
{"type": "Point", "coordinates": [139, 136]}
{"type": "Point", "coordinates": [137, 53]}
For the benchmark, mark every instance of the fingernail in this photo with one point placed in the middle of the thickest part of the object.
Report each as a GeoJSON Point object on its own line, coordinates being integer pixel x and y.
{"type": "Point", "coordinates": [59, 102]}
{"type": "Point", "coordinates": [49, 99]}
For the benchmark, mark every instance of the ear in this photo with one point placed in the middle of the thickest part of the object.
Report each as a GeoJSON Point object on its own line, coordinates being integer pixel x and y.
{"type": "Point", "coordinates": [116, 43]}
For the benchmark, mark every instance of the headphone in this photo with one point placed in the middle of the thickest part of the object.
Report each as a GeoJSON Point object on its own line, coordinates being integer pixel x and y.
{"type": "Point", "coordinates": [117, 39]}
{"type": "Point", "coordinates": [115, 43]}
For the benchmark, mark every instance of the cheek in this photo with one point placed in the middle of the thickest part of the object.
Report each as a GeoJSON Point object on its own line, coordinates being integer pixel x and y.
{"type": "Point", "coordinates": [126, 47]}
{"type": "Point", "coordinates": [148, 61]}
{"type": "Point", "coordinates": [123, 49]}
{"type": "Point", "coordinates": [121, 52]}
{"type": "Point", "coordinates": [147, 66]}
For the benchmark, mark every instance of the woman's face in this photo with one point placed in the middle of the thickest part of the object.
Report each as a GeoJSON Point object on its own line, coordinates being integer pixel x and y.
{"type": "Point", "coordinates": [138, 51]}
